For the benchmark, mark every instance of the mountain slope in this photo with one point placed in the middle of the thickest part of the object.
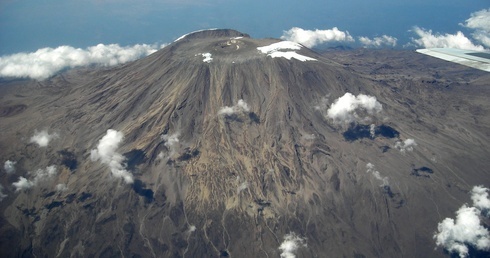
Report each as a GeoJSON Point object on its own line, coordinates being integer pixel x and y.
{"type": "Point", "coordinates": [230, 149]}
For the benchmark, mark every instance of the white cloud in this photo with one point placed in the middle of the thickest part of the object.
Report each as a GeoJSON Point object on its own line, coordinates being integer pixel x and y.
{"type": "Point", "coordinates": [428, 40]}
{"type": "Point", "coordinates": [46, 62]}
{"type": "Point", "coordinates": [406, 145]}
{"type": "Point", "coordinates": [107, 153]}
{"type": "Point", "coordinates": [346, 109]}
{"type": "Point", "coordinates": [479, 196]}
{"type": "Point", "coordinates": [9, 166]}
{"type": "Point", "coordinates": [371, 169]}
{"type": "Point", "coordinates": [2, 194]}
{"type": "Point", "coordinates": [456, 235]}
{"type": "Point", "coordinates": [61, 187]}
{"type": "Point", "coordinates": [240, 107]}
{"type": "Point", "coordinates": [39, 175]}
{"type": "Point", "coordinates": [323, 104]}
{"type": "Point", "coordinates": [171, 142]}
{"type": "Point", "coordinates": [308, 137]}
{"type": "Point", "coordinates": [22, 184]}
{"type": "Point", "coordinates": [480, 22]}
{"type": "Point", "coordinates": [290, 244]}
{"type": "Point", "coordinates": [42, 138]}
{"type": "Point", "coordinates": [207, 57]}
{"type": "Point", "coordinates": [377, 42]}
{"type": "Point", "coordinates": [311, 38]}
{"type": "Point", "coordinates": [372, 130]}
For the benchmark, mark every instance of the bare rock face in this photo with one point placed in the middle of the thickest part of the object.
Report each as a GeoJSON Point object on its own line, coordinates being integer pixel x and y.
{"type": "Point", "coordinates": [227, 147]}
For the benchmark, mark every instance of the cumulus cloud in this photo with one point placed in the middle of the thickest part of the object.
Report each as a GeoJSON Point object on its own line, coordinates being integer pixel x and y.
{"type": "Point", "coordinates": [372, 130]}
{"type": "Point", "coordinates": [429, 40]}
{"type": "Point", "coordinates": [42, 138]}
{"type": "Point", "coordinates": [61, 187]}
{"type": "Point", "coordinates": [171, 142]}
{"type": "Point", "coordinates": [107, 153]}
{"type": "Point", "coordinates": [39, 175]}
{"type": "Point", "coordinates": [479, 196]}
{"type": "Point", "coordinates": [480, 22]}
{"type": "Point", "coordinates": [290, 244]}
{"type": "Point", "coordinates": [406, 145]}
{"type": "Point", "coordinates": [308, 137]}
{"type": "Point", "coordinates": [376, 42]}
{"type": "Point", "coordinates": [207, 57]}
{"type": "Point", "coordinates": [2, 194]}
{"type": "Point", "coordinates": [456, 235]}
{"type": "Point", "coordinates": [371, 169]}
{"type": "Point", "coordinates": [240, 107]}
{"type": "Point", "coordinates": [311, 38]}
{"type": "Point", "coordinates": [323, 103]}
{"type": "Point", "coordinates": [46, 62]}
{"type": "Point", "coordinates": [9, 166]}
{"type": "Point", "coordinates": [349, 108]}
{"type": "Point", "coordinates": [22, 184]}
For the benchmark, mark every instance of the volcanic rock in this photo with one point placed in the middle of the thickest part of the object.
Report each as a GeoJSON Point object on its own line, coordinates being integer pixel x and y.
{"type": "Point", "coordinates": [231, 148]}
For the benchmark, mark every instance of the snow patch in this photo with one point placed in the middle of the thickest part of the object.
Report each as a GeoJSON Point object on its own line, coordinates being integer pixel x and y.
{"type": "Point", "coordinates": [185, 35]}
{"type": "Point", "coordinates": [278, 50]}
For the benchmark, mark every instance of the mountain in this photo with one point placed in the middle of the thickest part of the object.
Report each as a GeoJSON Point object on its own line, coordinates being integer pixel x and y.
{"type": "Point", "coordinates": [221, 145]}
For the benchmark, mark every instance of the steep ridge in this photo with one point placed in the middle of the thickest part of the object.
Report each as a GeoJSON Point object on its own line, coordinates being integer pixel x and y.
{"type": "Point", "coordinates": [231, 148]}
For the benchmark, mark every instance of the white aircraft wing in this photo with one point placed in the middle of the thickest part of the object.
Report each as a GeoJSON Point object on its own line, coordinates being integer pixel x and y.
{"type": "Point", "coordinates": [475, 59]}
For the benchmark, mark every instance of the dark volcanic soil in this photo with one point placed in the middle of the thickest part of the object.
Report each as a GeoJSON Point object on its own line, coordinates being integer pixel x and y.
{"type": "Point", "coordinates": [235, 185]}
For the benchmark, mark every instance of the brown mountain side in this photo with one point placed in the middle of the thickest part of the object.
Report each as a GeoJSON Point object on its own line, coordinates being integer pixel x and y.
{"type": "Point", "coordinates": [231, 154]}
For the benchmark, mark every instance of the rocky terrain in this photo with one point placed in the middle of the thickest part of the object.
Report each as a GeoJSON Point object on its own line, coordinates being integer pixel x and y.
{"type": "Point", "coordinates": [220, 145]}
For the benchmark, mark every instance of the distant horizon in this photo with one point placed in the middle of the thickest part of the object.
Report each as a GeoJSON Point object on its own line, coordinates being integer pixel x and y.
{"type": "Point", "coordinates": [56, 35]}
{"type": "Point", "coordinates": [26, 26]}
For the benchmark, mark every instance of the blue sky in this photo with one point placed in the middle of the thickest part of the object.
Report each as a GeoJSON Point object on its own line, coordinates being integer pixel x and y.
{"type": "Point", "coordinates": [27, 25]}
{"type": "Point", "coordinates": [39, 38]}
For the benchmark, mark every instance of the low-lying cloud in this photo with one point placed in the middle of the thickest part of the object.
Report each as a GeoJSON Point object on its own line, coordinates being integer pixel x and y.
{"type": "Point", "coordinates": [377, 42]}
{"type": "Point", "coordinates": [39, 176]}
{"type": "Point", "coordinates": [107, 153]}
{"type": "Point", "coordinates": [290, 244]}
{"type": "Point", "coordinates": [9, 166]}
{"type": "Point", "coordinates": [480, 22]}
{"type": "Point", "coordinates": [42, 138]}
{"type": "Point", "coordinates": [171, 142]}
{"type": "Point", "coordinates": [46, 62]}
{"type": "Point", "coordinates": [240, 107]}
{"type": "Point", "coordinates": [311, 38]}
{"type": "Point", "coordinates": [427, 39]}
{"type": "Point", "coordinates": [456, 235]}
{"type": "Point", "coordinates": [371, 169]}
{"type": "Point", "coordinates": [406, 145]}
{"type": "Point", "coordinates": [61, 187]}
{"type": "Point", "coordinates": [350, 108]}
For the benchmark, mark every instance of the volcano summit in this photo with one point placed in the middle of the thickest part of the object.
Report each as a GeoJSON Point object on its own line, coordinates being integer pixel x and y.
{"type": "Point", "coordinates": [224, 145]}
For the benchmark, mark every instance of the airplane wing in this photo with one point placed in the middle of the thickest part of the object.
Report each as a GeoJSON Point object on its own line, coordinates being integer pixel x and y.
{"type": "Point", "coordinates": [475, 59]}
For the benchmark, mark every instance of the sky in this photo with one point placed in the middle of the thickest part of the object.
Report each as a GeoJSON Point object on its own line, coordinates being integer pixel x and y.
{"type": "Point", "coordinates": [27, 26]}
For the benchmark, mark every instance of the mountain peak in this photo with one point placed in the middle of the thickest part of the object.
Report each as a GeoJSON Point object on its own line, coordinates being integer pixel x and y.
{"type": "Point", "coordinates": [212, 33]}
{"type": "Point", "coordinates": [231, 46]}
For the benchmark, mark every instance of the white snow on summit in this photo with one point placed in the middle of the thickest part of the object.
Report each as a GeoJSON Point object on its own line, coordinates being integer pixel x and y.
{"type": "Point", "coordinates": [283, 45]}
{"type": "Point", "coordinates": [277, 50]}
{"type": "Point", "coordinates": [185, 35]}
{"type": "Point", "coordinates": [291, 54]}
